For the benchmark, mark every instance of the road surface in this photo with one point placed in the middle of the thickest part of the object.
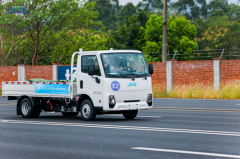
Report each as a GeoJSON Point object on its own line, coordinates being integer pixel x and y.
{"type": "Point", "coordinates": [175, 128]}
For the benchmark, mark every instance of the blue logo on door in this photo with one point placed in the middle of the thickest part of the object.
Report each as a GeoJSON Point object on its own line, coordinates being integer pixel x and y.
{"type": "Point", "coordinates": [115, 85]}
{"type": "Point", "coordinates": [132, 84]}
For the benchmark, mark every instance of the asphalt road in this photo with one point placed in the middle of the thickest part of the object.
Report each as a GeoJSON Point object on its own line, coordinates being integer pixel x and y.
{"type": "Point", "coordinates": [175, 128]}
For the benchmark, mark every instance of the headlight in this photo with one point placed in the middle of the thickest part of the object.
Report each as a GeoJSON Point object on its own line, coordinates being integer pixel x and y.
{"type": "Point", "coordinates": [112, 101]}
{"type": "Point", "coordinates": [149, 99]}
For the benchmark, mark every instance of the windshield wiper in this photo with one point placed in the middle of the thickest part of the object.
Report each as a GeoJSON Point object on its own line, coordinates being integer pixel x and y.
{"type": "Point", "coordinates": [124, 75]}
{"type": "Point", "coordinates": [137, 75]}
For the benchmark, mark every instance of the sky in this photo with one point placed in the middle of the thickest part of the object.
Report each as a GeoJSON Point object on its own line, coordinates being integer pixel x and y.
{"type": "Point", "coordinates": [135, 2]}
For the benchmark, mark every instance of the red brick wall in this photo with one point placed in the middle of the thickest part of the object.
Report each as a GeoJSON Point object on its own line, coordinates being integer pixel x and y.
{"type": "Point", "coordinates": [159, 73]}
{"type": "Point", "coordinates": [6, 74]}
{"type": "Point", "coordinates": [190, 72]}
{"type": "Point", "coordinates": [184, 72]}
{"type": "Point", "coordinates": [41, 71]}
{"type": "Point", "coordinates": [230, 71]}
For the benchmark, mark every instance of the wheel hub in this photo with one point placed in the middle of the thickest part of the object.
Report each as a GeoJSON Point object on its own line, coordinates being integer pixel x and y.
{"type": "Point", "coordinates": [25, 108]}
{"type": "Point", "coordinates": [86, 110]}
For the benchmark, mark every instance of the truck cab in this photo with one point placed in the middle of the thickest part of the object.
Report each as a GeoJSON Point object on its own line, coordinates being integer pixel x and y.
{"type": "Point", "coordinates": [111, 81]}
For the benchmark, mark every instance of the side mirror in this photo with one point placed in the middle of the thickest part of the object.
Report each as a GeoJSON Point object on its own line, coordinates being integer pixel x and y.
{"type": "Point", "coordinates": [91, 70]}
{"type": "Point", "coordinates": [150, 68]}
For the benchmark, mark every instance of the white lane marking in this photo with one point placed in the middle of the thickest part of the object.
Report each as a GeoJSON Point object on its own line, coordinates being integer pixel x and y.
{"type": "Point", "coordinates": [187, 152]}
{"type": "Point", "coordinates": [237, 104]}
{"type": "Point", "coordinates": [154, 129]}
{"type": "Point", "coordinates": [137, 116]}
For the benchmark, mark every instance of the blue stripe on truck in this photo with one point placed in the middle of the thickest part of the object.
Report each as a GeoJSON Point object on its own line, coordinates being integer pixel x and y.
{"type": "Point", "coordinates": [52, 88]}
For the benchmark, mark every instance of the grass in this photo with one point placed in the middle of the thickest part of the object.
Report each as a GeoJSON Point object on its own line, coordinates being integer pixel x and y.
{"type": "Point", "coordinates": [199, 91]}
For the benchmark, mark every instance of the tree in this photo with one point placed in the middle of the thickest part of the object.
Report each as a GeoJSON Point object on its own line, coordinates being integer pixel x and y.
{"type": "Point", "coordinates": [181, 34]}
{"type": "Point", "coordinates": [192, 9]}
{"type": "Point", "coordinates": [153, 5]}
{"type": "Point", "coordinates": [46, 16]}
{"type": "Point", "coordinates": [221, 35]}
{"type": "Point", "coordinates": [233, 12]}
{"type": "Point", "coordinates": [220, 30]}
{"type": "Point", "coordinates": [111, 13]}
{"type": "Point", "coordinates": [73, 40]}
{"type": "Point", "coordinates": [139, 42]}
{"type": "Point", "coordinates": [201, 26]}
{"type": "Point", "coordinates": [218, 8]}
{"type": "Point", "coordinates": [9, 38]}
{"type": "Point", "coordinates": [107, 12]}
{"type": "Point", "coordinates": [128, 10]}
{"type": "Point", "coordinates": [127, 33]}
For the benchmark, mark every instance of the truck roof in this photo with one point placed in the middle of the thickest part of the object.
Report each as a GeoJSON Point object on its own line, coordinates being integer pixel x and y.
{"type": "Point", "coordinates": [112, 51]}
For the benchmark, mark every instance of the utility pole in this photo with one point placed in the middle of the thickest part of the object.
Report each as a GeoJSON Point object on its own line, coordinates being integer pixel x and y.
{"type": "Point", "coordinates": [1, 41]}
{"type": "Point", "coordinates": [164, 47]}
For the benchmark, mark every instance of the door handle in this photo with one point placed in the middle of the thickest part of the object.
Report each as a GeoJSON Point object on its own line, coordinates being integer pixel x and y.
{"type": "Point", "coordinates": [81, 84]}
{"type": "Point", "coordinates": [97, 80]}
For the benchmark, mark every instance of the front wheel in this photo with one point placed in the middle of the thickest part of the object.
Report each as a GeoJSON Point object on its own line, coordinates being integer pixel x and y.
{"type": "Point", "coordinates": [88, 112]}
{"type": "Point", "coordinates": [131, 114]}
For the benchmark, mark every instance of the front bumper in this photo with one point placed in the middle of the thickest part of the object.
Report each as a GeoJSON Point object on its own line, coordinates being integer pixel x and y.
{"type": "Point", "coordinates": [129, 106]}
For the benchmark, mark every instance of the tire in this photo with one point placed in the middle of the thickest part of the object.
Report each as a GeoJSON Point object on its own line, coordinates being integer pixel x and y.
{"type": "Point", "coordinates": [27, 109]}
{"type": "Point", "coordinates": [37, 113]}
{"type": "Point", "coordinates": [70, 113]}
{"type": "Point", "coordinates": [131, 114]}
{"type": "Point", "coordinates": [37, 109]}
{"type": "Point", "coordinates": [88, 113]}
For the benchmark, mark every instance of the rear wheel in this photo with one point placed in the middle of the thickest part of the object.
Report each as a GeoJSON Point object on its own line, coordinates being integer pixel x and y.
{"type": "Point", "coordinates": [70, 113]}
{"type": "Point", "coordinates": [131, 114]}
{"type": "Point", "coordinates": [29, 109]}
{"type": "Point", "coordinates": [88, 112]}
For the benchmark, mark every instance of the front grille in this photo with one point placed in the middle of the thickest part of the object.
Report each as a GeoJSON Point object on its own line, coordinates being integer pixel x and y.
{"type": "Point", "coordinates": [129, 101]}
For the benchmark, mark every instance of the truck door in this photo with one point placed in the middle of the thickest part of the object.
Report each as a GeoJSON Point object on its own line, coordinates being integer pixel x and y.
{"type": "Point", "coordinates": [87, 84]}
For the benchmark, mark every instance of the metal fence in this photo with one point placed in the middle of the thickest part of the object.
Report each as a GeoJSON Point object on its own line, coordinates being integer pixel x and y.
{"type": "Point", "coordinates": [190, 55]}
{"type": "Point", "coordinates": [227, 54]}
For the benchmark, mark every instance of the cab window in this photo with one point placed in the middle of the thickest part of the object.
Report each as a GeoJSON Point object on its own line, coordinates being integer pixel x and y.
{"type": "Point", "coordinates": [90, 60]}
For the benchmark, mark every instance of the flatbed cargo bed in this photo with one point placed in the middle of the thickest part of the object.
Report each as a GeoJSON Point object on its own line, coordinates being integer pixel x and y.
{"type": "Point", "coordinates": [38, 89]}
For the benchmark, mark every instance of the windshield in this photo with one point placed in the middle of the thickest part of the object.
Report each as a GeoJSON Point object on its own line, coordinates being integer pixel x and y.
{"type": "Point", "coordinates": [123, 65]}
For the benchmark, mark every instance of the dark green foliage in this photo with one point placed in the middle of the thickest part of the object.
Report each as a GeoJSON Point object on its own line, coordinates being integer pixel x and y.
{"type": "Point", "coordinates": [181, 34]}
{"type": "Point", "coordinates": [108, 12]}
{"type": "Point", "coordinates": [104, 24]}
{"type": "Point", "coordinates": [191, 8]}
{"type": "Point", "coordinates": [127, 33]}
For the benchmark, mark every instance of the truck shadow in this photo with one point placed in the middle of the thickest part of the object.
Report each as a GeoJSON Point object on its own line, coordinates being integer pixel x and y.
{"type": "Point", "coordinates": [53, 118]}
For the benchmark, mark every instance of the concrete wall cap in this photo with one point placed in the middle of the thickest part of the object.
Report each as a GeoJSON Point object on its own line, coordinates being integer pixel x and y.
{"type": "Point", "coordinates": [56, 63]}
{"type": "Point", "coordinates": [218, 58]}
{"type": "Point", "coordinates": [172, 60]}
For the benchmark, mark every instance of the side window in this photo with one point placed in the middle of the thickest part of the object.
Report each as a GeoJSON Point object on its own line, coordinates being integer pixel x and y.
{"type": "Point", "coordinates": [90, 60]}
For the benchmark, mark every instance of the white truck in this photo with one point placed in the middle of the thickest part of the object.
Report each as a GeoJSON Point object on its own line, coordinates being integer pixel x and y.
{"type": "Point", "coordinates": [111, 81]}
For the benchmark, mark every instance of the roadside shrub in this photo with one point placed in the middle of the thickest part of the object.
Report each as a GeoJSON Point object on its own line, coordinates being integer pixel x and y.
{"type": "Point", "coordinates": [199, 91]}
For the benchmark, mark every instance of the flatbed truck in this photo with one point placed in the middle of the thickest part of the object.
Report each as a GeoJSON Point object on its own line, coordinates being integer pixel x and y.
{"type": "Point", "coordinates": [107, 82]}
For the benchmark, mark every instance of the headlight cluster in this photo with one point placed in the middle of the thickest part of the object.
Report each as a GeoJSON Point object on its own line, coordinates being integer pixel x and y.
{"type": "Point", "coordinates": [149, 99]}
{"type": "Point", "coordinates": [112, 101]}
